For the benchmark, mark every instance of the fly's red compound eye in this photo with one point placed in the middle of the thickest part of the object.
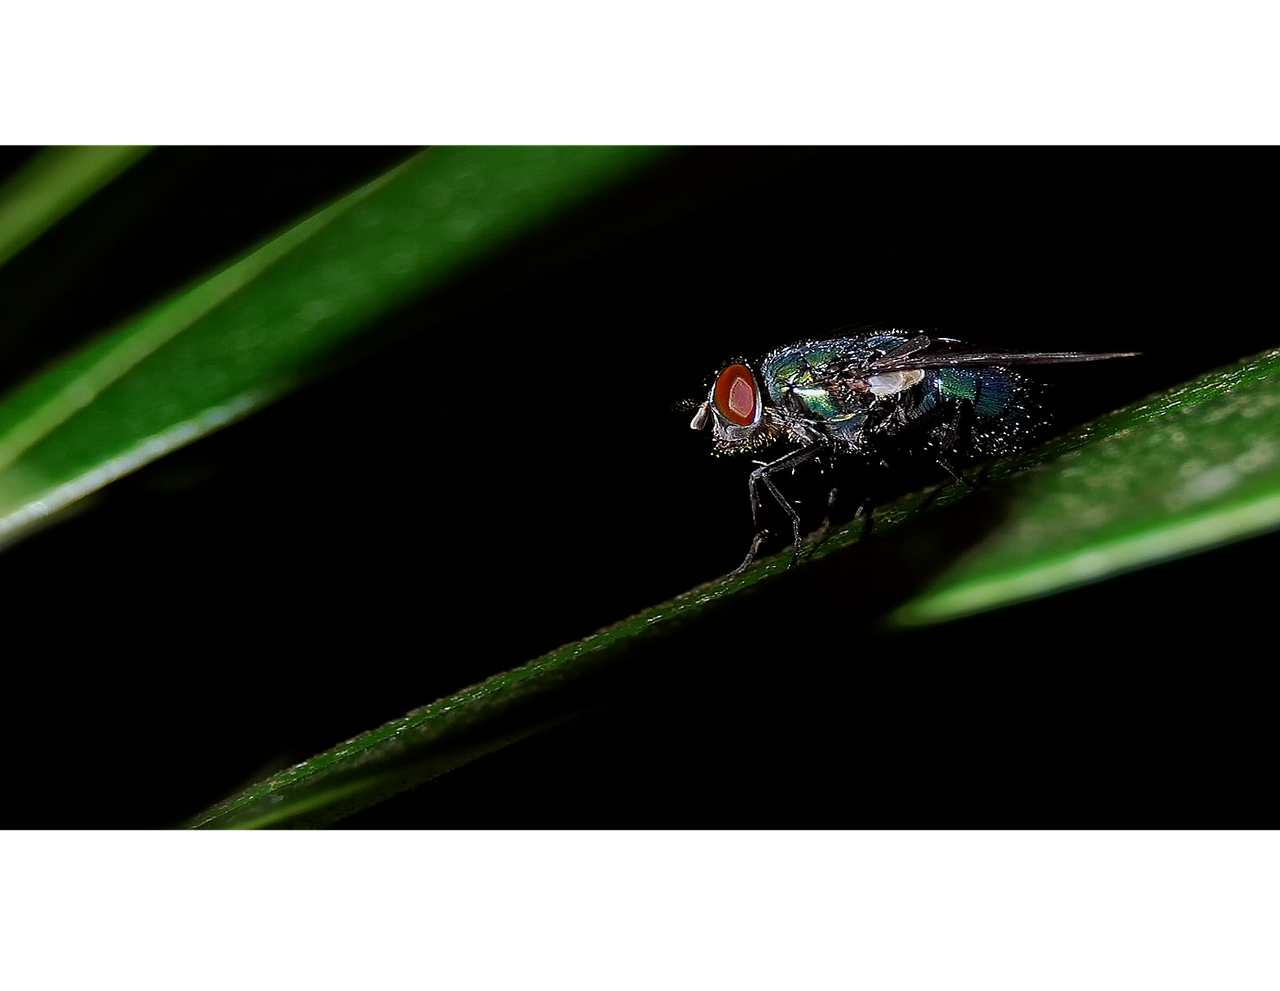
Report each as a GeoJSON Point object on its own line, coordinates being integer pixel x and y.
{"type": "Point", "coordinates": [736, 396]}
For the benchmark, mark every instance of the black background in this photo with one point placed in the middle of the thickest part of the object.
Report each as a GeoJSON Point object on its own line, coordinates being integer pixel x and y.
{"type": "Point", "coordinates": [507, 472]}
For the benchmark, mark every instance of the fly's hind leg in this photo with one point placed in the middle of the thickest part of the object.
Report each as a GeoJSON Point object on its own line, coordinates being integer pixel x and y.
{"type": "Point", "coordinates": [955, 472]}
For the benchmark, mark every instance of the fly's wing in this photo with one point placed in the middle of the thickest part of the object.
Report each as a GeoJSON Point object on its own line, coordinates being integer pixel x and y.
{"type": "Point", "coordinates": [924, 352]}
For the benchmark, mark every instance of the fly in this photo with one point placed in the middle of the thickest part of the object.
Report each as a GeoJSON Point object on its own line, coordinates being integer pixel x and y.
{"type": "Point", "coordinates": [849, 394]}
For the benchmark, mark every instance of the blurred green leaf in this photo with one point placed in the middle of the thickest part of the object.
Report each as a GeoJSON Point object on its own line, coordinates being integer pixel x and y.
{"type": "Point", "coordinates": [53, 184]}
{"type": "Point", "coordinates": [254, 329]}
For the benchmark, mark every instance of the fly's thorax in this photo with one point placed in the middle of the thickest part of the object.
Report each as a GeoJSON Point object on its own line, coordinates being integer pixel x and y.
{"type": "Point", "coordinates": [828, 388]}
{"type": "Point", "coordinates": [809, 364]}
{"type": "Point", "coordinates": [800, 380]}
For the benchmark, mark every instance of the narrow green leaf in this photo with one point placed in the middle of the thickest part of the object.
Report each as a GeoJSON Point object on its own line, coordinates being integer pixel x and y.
{"type": "Point", "coordinates": [240, 337]}
{"type": "Point", "coordinates": [53, 184]}
{"type": "Point", "coordinates": [1180, 471]}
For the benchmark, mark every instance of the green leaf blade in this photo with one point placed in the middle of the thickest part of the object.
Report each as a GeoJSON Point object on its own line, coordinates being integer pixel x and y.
{"type": "Point", "coordinates": [1187, 470]}
{"type": "Point", "coordinates": [1087, 508]}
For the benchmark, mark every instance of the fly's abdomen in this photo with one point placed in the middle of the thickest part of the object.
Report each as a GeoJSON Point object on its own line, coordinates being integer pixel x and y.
{"type": "Point", "coordinates": [1005, 413]}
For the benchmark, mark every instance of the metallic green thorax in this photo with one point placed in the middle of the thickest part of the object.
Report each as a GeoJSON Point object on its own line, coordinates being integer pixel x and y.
{"type": "Point", "coordinates": [796, 372]}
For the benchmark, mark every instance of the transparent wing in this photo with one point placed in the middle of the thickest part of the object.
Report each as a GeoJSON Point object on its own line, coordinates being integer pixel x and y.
{"type": "Point", "coordinates": [924, 352]}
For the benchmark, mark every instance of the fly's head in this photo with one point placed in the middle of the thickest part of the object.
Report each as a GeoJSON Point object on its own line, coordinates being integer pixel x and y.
{"type": "Point", "coordinates": [736, 412]}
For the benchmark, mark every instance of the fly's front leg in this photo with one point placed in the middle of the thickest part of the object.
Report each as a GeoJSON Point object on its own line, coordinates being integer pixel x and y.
{"type": "Point", "coordinates": [762, 475]}
{"type": "Point", "coordinates": [758, 540]}
{"type": "Point", "coordinates": [796, 537]}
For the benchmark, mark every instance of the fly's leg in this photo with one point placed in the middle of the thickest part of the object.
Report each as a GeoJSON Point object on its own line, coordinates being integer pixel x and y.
{"type": "Point", "coordinates": [820, 534]}
{"type": "Point", "coordinates": [763, 474]}
{"type": "Point", "coordinates": [955, 472]}
{"type": "Point", "coordinates": [796, 537]}
{"type": "Point", "coordinates": [824, 528]}
{"type": "Point", "coordinates": [865, 511]}
{"type": "Point", "coordinates": [752, 551]}
{"type": "Point", "coordinates": [948, 436]}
